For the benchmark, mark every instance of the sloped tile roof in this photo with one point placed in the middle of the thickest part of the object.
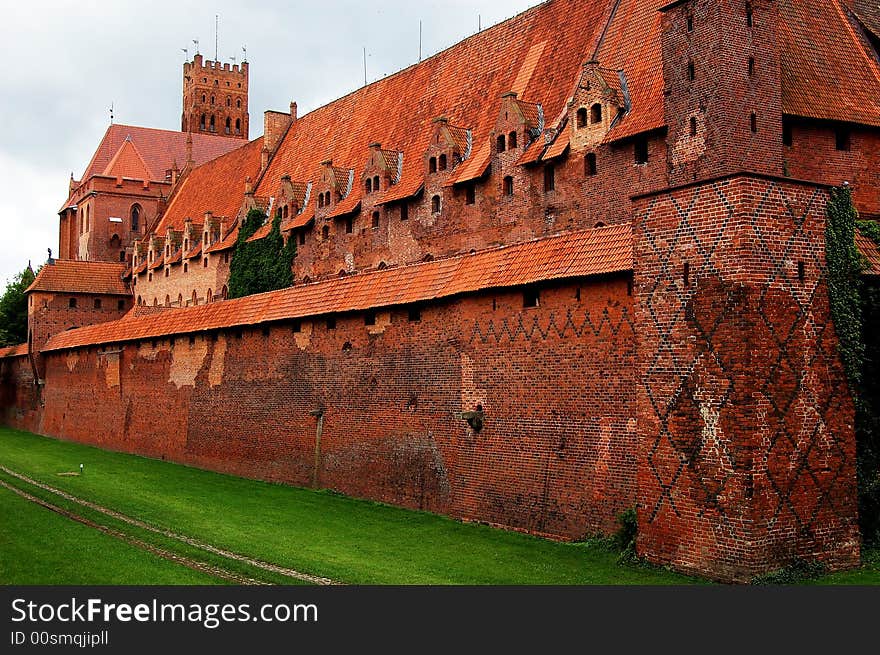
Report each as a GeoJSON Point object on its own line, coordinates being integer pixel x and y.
{"type": "Point", "coordinates": [826, 71]}
{"type": "Point", "coordinates": [216, 186]}
{"type": "Point", "coordinates": [538, 54]}
{"type": "Point", "coordinates": [14, 351]}
{"type": "Point", "coordinates": [158, 148]}
{"type": "Point", "coordinates": [578, 254]}
{"type": "Point", "coordinates": [871, 253]}
{"type": "Point", "coordinates": [70, 276]}
{"type": "Point", "coordinates": [127, 162]}
{"type": "Point", "coordinates": [868, 14]}
{"type": "Point", "coordinates": [533, 153]}
{"type": "Point", "coordinates": [349, 204]}
{"type": "Point", "coordinates": [559, 146]}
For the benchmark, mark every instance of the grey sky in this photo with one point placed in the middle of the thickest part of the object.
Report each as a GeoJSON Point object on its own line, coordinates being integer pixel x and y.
{"type": "Point", "coordinates": [65, 62]}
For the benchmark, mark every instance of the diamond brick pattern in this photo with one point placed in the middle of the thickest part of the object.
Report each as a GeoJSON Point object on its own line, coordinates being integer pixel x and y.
{"type": "Point", "coordinates": [747, 450]}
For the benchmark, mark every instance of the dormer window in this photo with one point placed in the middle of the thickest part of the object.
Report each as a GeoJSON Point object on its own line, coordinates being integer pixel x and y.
{"type": "Point", "coordinates": [596, 113]}
{"type": "Point", "coordinates": [432, 165]}
{"type": "Point", "coordinates": [441, 163]}
{"type": "Point", "coordinates": [581, 118]}
{"type": "Point", "coordinates": [511, 140]}
{"type": "Point", "coordinates": [502, 143]}
{"type": "Point", "coordinates": [376, 183]}
{"type": "Point", "coordinates": [368, 185]}
{"type": "Point", "coordinates": [435, 204]}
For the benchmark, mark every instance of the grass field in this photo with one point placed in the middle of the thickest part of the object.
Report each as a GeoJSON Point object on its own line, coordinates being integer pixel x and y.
{"type": "Point", "coordinates": [318, 533]}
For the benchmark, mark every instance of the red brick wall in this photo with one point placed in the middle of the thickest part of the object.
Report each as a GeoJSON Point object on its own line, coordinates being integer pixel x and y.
{"type": "Point", "coordinates": [19, 397]}
{"type": "Point", "coordinates": [556, 454]}
{"type": "Point", "coordinates": [746, 442]}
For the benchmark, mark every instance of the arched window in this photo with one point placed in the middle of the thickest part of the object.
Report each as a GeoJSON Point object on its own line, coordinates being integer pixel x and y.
{"type": "Point", "coordinates": [441, 163]}
{"type": "Point", "coordinates": [376, 183]}
{"type": "Point", "coordinates": [502, 143]}
{"type": "Point", "coordinates": [286, 211]}
{"type": "Point", "coordinates": [88, 214]}
{"type": "Point", "coordinates": [511, 140]}
{"type": "Point", "coordinates": [205, 263]}
{"type": "Point", "coordinates": [135, 218]}
{"type": "Point", "coordinates": [228, 126]}
{"type": "Point", "coordinates": [202, 123]}
{"type": "Point", "coordinates": [238, 103]}
{"type": "Point", "coordinates": [320, 200]}
{"type": "Point", "coordinates": [180, 300]}
{"type": "Point", "coordinates": [432, 165]}
{"type": "Point", "coordinates": [368, 185]}
{"type": "Point", "coordinates": [238, 126]}
{"type": "Point", "coordinates": [582, 117]}
{"type": "Point", "coordinates": [155, 302]}
{"type": "Point", "coordinates": [168, 301]}
{"type": "Point", "coordinates": [325, 233]}
{"type": "Point", "coordinates": [375, 220]}
{"type": "Point", "coordinates": [195, 298]}
{"type": "Point", "coordinates": [228, 101]}
{"type": "Point", "coordinates": [596, 113]}
{"type": "Point", "coordinates": [122, 255]}
{"type": "Point", "coordinates": [203, 97]}
{"type": "Point", "coordinates": [140, 301]}
{"type": "Point", "coordinates": [224, 293]}
{"type": "Point", "coordinates": [508, 186]}
{"type": "Point", "coordinates": [435, 204]}
{"type": "Point", "coordinates": [209, 297]}
{"type": "Point", "coordinates": [213, 125]}
{"type": "Point", "coordinates": [186, 268]}
{"type": "Point", "coordinates": [590, 165]}
{"type": "Point", "coordinates": [212, 100]}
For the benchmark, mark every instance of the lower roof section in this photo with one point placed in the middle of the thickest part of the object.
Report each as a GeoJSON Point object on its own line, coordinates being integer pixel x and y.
{"type": "Point", "coordinates": [597, 251]}
{"type": "Point", "coordinates": [14, 351]}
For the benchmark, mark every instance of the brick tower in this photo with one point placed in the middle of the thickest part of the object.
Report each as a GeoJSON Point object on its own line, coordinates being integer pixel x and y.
{"type": "Point", "coordinates": [746, 442]}
{"type": "Point", "coordinates": [215, 98]}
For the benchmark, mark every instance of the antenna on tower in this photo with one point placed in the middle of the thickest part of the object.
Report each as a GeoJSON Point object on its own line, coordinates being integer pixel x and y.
{"type": "Point", "coordinates": [244, 50]}
{"type": "Point", "coordinates": [111, 113]}
{"type": "Point", "coordinates": [234, 59]}
{"type": "Point", "coordinates": [216, 37]}
{"type": "Point", "coordinates": [186, 53]}
{"type": "Point", "coordinates": [420, 40]}
{"type": "Point", "coordinates": [365, 67]}
{"type": "Point", "coordinates": [196, 44]}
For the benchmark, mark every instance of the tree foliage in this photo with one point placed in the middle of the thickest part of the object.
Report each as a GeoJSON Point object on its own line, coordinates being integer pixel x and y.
{"type": "Point", "coordinates": [855, 310]}
{"type": "Point", "coordinates": [261, 265]}
{"type": "Point", "coordinates": [13, 309]}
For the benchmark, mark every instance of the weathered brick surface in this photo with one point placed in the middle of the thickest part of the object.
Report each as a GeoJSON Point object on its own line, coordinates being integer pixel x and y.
{"type": "Point", "coordinates": [556, 454]}
{"type": "Point", "coordinates": [746, 440]}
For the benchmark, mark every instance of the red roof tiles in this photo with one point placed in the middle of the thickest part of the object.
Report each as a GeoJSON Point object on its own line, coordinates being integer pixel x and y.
{"type": "Point", "coordinates": [69, 276]}
{"type": "Point", "coordinates": [871, 253]}
{"type": "Point", "coordinates": [591, 252]}
{"type": "Point", "coordinates": [217, 186]}
{"type": "Point", "coordinates": [159, 149]}
{"type": "Point", "coordinates": [14, 351]}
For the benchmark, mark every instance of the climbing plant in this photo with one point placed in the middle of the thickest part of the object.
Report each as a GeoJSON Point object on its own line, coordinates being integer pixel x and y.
{"type": "Point", "coordinates": [855, 310]}
{"type": "Point", "coordinates": [263, 264]}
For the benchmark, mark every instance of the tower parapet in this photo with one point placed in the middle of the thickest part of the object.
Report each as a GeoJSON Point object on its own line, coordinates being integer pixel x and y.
{"type": "Point", "coordinates": [215, 98]}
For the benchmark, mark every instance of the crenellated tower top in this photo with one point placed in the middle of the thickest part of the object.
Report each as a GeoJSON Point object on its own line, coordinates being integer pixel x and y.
{"type": "Point", "coordinates": [215, 98]}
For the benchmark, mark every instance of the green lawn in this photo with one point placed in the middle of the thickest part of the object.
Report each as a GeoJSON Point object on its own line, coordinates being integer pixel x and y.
{"type": "Point", "coordinates": [38, 546]}
{"type": "Point", "coordinates": [319, 533]}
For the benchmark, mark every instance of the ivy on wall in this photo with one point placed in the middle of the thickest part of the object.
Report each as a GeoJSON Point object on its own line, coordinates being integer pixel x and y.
{"type": "Point", "coordinates": [260, 265]}
{"type": "Point", "coordinates": [855, 310]}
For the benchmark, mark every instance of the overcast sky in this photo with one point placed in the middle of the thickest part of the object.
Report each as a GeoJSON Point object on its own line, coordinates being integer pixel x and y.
{"type": "Point", "coordinates": [65, 62]}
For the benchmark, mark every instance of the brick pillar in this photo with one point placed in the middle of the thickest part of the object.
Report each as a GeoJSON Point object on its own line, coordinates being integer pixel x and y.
{"type": "Point", "coordinates": [745, 424]}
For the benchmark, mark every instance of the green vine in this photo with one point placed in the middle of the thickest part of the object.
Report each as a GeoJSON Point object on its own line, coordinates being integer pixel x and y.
{"type": "Point", "coordinates": [855, 310]}
{"type": "Point", "coordinates": [263, 264]}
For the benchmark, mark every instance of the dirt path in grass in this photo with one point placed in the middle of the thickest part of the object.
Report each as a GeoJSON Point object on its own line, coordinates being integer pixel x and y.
{"type": "Point", "coordinates": [229, 576]}
{"type": "Point", "coordinates": [190, 541]}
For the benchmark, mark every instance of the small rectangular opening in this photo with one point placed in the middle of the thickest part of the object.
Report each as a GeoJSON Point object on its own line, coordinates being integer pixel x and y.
{"type": "Point", "coordinates": [297, 327]}
{"type": "Point", "coordinates": [331, 322]}
{"type": "Point", "coordinates": [414, 314]}
{"type": "Point", "coordinates": [640, 150]}
{"type": "Point", "coordinates": [687, 274]}
{"type": "Point", "coordinates": [531, 298]}
{"type": "Point", "coordinates": [370, 318]}
{"type": "Point", "coordinates": [802, 271]}
{"type": "Point", "coordinates": [842, 139]}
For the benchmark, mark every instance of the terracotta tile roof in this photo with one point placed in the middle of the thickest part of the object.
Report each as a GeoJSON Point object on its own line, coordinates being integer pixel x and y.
{"type": "Point", "coordinates": [70, 276]}
{"type": "Point", "coordinates": [158, 148]}
{"type": "Point", "coordinates": [578, 254]}
{"type": "Point", "coordinates": [14, 351]}
{"type": "Point", "coordinates": [196, 250]}
{"type": "Point", "coordinates": [348, 205]}
{"type": "Point", "coordinates": [868, 14]}
{"type": "Point", "coordinates": [871, 253]}
{"type": "Point", "coordinates": [632, 44]}
{"type": "Point", "coordinates": [300, 220]}
{"type": "Point", "coordinates": [140, 268]}
{"type": "Point", "coordinates": [474, 167]}
{"type": "Point", "coordinates": [225, 243]}
{"type": "Point", "coordinates": [127, 162]}
{"type": "Point", "coordinates": [826, 71]}
{"type": "Point", "coordinates": [411, 183]}
{"type": "Point", "coordinates": [533, 153]}
{"type": "Point", "coordinates": [262, 231]}
{"type": "Point", "coordinates": [559, 146]}
{"type": "Point", "coordinates": [217, 186]}
{"type": "Point", "coordinates": [538, 54]}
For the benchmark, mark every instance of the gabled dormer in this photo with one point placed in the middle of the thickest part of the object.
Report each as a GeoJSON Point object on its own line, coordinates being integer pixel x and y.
{"type": "Point", "coordinates": [518, 124]}
{"type": "Point", "coordinates": [382, 170]}
{"type": "Point", "coordinates": [334, 184]}
{"type": "Point", "coordinates": [291, 198]}
{"type": "Point", "coordinates": [192, 235]}
{"type": "Point", "coordinates": [449, 146]}
{"type": "Point", "coordinates": [600, 100]}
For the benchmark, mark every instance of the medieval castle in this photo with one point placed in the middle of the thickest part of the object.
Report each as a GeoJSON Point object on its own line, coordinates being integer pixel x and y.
{"type": "Point", "coordinates": [571, 265]}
